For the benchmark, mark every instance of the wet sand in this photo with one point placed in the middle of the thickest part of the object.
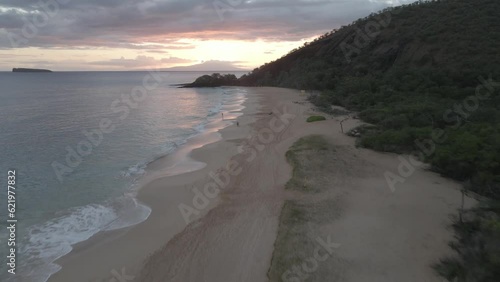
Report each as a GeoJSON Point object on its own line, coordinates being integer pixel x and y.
{"type": "Point", "coordinates": [167, 184]}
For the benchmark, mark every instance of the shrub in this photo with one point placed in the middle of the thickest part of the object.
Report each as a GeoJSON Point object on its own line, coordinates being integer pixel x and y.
{"type": "Point", "coordinates": [315, 118]}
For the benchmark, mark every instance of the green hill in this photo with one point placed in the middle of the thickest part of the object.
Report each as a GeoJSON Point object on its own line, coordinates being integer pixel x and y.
{"type": "Point", "coordinates": [427, 76]}
{"type": "Point", "coordinates": [460, 38]}
{"type": "Point", "coordinates": [412, 71]}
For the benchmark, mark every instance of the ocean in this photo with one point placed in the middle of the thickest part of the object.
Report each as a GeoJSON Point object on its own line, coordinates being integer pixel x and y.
{"type": "Point", "coordinates": [80, 142]}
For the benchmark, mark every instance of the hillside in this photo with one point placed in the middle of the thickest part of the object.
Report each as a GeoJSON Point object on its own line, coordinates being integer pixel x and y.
{"type": "Point", "coordinates": [412, 70]}
{"type": "Point", "coordinates": [427, 77]}
{"type": "Point", "coordinates": [457, 37]}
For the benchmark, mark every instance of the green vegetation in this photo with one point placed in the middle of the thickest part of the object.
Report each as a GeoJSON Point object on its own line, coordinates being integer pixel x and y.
{"type": "Point", "coordinates": [300, 219]}
{"type": "Point", "coordinates": [296, 221]}
{"type": "Point", "coordinates": [414, 78]}
{"type": "Point", "coordinates": [427, 77]}
{"type": "Point", "coordinates": [477, 246]}
{"type": "Point", "coordinates": [305, 169]}
{"type": "Point", "coordinates": [214, 80]}
{"type": "Point", "coordinates": [315, 118]}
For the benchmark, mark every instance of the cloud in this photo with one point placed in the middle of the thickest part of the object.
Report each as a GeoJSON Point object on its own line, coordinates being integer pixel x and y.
{"type": "Point", "coordinates": [213, 65]}
{"type": "Point", "coordinates": [140, 62]}
{"type": "Point", "coordinates": [130, 23]}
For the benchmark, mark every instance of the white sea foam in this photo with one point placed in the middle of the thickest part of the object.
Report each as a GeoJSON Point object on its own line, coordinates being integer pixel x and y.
{"type": "Point", "coordinates": [135, 170]}
{"type": "Point", "coordinates": [46, 242]}
{"type": "Point", "coordinates": [53, 239]}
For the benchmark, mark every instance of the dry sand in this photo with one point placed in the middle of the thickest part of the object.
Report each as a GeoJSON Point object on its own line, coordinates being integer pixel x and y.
{"type": "Point", "coordinates": [384, 235]}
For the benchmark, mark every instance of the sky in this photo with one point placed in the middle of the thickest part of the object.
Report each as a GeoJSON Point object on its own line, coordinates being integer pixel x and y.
{"type": "Point", "coordinates": [73, 35]}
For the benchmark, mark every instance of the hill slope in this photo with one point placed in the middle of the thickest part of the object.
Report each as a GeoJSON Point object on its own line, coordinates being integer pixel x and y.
{"type": "Point", "coordinates": [458, 37]}
{"type": "Point", "coordinates": [412, 71]}
{"type": "Point", "coordinates": [427, 76]}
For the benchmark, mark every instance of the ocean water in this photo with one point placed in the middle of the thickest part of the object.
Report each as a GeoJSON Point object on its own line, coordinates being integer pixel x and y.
{"type": "Point", "coordinates": [79, 143]}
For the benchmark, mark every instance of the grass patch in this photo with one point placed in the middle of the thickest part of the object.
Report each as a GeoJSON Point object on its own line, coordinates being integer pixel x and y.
{"type": "Point", "coordinates": [315, 118]}
{"type": "Point", "coordinates": [307, 162]}
{"type": "Point", "coordinates": [292, 241]}
{"type": "Point", "coordinates": [300, 220]}
{"type": "Point", "coordinates": [296, 240]}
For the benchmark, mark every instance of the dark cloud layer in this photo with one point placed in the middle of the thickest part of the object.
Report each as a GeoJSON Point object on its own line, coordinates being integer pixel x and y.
{"type": "Point", "coordinates": [127, 23]}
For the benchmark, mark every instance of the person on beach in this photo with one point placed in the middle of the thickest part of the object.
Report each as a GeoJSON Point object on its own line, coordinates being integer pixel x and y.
{"type": "Point", "coordinates": [222, 116]}
{"type": "Point", "coordinates": [238, 124]}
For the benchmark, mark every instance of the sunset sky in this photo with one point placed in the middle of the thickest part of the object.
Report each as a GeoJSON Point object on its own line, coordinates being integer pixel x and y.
{"type": "Point", "coordinates": [144, 34]}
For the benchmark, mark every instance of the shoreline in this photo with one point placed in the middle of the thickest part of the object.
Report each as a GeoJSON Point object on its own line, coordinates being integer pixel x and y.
{"type": "Point", "coordinates": [181, 165]}
{"type": "Point", "coordinates": [244, 216]}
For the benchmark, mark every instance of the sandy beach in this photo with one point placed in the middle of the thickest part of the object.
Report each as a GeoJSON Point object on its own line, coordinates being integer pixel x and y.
{"type": "Point", "coordinates": [216, 206]}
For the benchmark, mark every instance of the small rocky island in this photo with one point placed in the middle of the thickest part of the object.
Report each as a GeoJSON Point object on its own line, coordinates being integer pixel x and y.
{"type": "Point", "coordinates": [29, 70]}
